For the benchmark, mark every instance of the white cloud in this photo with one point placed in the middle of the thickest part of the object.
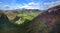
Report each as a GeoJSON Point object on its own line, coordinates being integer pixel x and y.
{"type": "Point", "coordinates": [46, 5]}
{"type": "Point", "coordinates": [31, 5]}
{"type": "Point", "coordinates": [51, 4]}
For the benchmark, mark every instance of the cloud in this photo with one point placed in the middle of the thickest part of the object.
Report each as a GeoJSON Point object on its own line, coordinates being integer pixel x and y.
{"type": "Point", "coordinates": [44, 6]}
{"type": "Point", "coordinates": [6, 6]}
{"type": "Point", "coordinates": [11, 7]}
{"type": "Point", "coordinates": [31, 5]}
{"type": "Point", "coordinates": [13, 4]}
{"type": "Point", "coordinates": [51, 4]}
{"type": "Point", "coordinates": [0, 2]}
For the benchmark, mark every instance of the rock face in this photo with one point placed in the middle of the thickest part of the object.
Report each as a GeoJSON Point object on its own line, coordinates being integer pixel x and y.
{"type": "Point", "coordinates": [51, 20]}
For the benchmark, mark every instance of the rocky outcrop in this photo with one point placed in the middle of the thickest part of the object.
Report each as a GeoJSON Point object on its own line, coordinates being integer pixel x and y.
{"type": "Point", "coordinates": [50, 18]}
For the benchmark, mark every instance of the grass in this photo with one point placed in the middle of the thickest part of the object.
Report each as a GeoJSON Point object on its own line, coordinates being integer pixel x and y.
{"type": "Point", "coordinates": [24, 16]}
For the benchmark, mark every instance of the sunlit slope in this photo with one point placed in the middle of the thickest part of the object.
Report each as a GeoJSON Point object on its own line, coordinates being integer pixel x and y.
{"type": "Point", "coordinates": [20, 17]}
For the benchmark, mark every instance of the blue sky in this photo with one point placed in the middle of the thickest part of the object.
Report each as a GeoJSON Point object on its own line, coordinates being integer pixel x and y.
{"type": "Point", "coordinates": [28, 4]}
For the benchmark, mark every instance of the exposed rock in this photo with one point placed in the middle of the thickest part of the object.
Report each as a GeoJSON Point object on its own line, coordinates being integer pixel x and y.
{"type": "Point", "coordinates": [50, 18]}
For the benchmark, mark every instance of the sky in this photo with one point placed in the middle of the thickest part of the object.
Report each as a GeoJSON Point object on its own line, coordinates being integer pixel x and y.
{"type": "Point", "coordinates": [28, 4]}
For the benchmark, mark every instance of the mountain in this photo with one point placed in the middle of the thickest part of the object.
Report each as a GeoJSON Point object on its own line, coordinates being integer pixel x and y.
{"type": "Point", "coordinates": [46, 22]}
{"type": "Point", "coordinates": [23, 9]}
{"type": "Point", "coordinates": [5, 25]}
{"type": "Point", "coordinates": [50, 19]}
{"type": "Point", "coordinates": [3, 18]}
